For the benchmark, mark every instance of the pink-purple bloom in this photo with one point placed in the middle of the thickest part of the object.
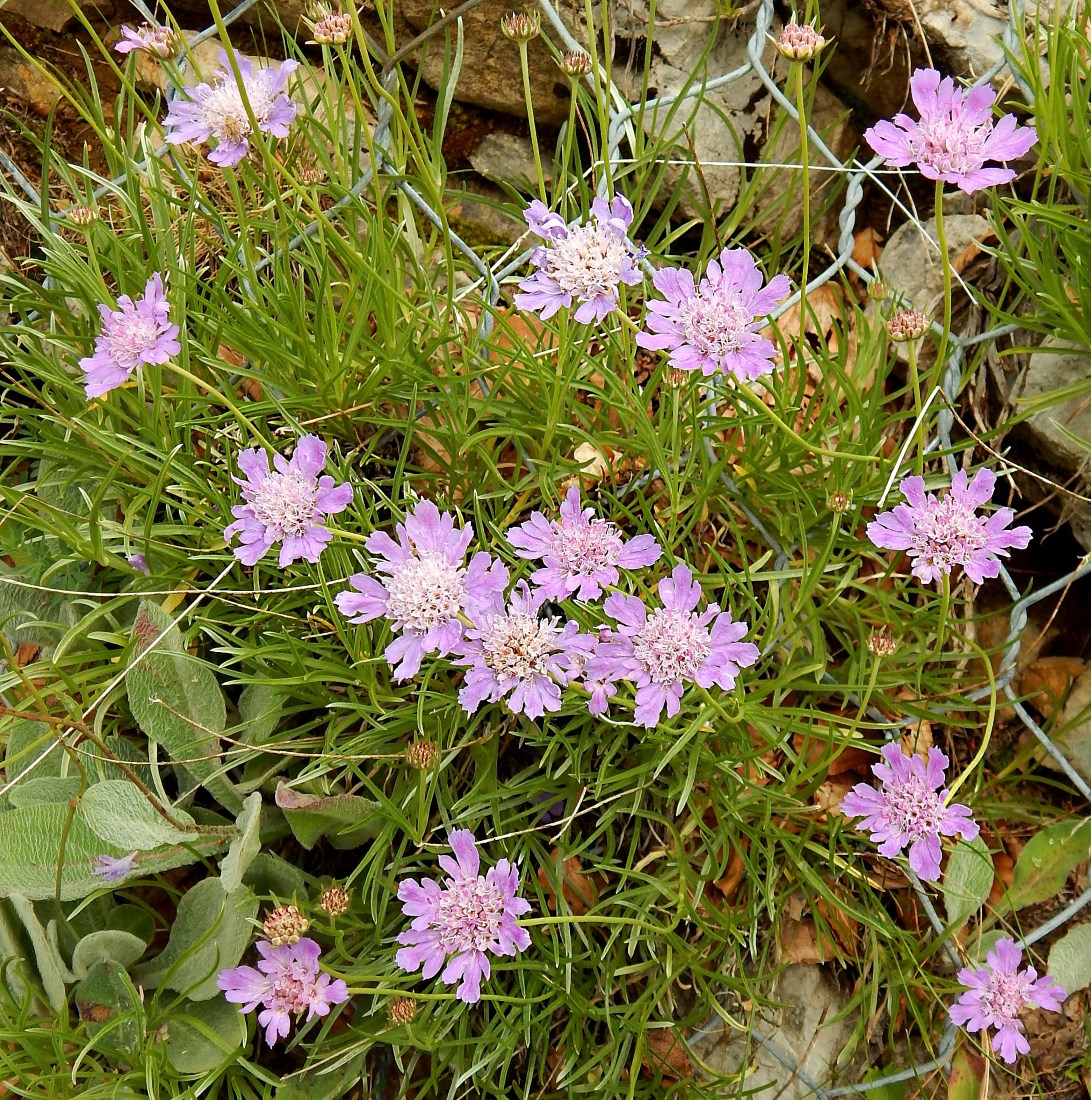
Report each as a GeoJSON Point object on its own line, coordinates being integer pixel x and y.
{"type": "Point", "coordinates": [910, 808]}
{"type": "Point", "coordinates": [954, 136]}
{"type": "Point", "coordinates": [939, 535]}
{"type": "Point", "coordinates": [581, 554]}
{"type": "Point", "coordinates": [582, 262]}
{"type": "Point", "coordinates": [464, 920]}
{"type": "Point", "coordinates": [512, 651]}
{"type": "Point", "coordinates": [286, 504]}
{"type": "Point", "coordinates": [217, 110]}
{"type": "Point", "coordinates": [111, 869]}
{"type": "Point", "coordinates": [999, 993]}
{"type": "Point", "coordinates": [674, 645]}
{"type": "Point", "coordinates": [286, 983]}
{"type": "Point", "coordinates": [715, 324]}
{"type": "Point", "coordinates": [425, 586]}
{"type": "Point", "coordinates": [162, 42]}
{"type": "Point", "coordinates": [134, 334]}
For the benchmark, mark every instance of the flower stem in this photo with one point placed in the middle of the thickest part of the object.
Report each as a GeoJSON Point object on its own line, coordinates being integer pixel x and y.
{"type": "Point", "coordinates": [801, 107]}
{"type": "Point", "coordinates": [986, 737]}
{"type": "Point", "coordinates": [945, 260]}
{"type": "Point", "coordinates": [944, 611]}
{"type": "Point", "coordinates": [524, 64]}
{"type": "Point", "coordinates": [811, 447]}
{"type": "Point", "coordinates": [913, 350]}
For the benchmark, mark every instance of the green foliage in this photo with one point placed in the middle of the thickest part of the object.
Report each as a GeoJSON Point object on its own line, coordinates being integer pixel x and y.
{"type": "Point", "coordinates": [967, 881]}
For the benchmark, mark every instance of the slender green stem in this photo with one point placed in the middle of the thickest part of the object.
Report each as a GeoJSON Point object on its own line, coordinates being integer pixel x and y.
{"type": "Point", "coordinates": [913, 351]}
{"type": "Point", "coordinates": [201, 384]}
{"type": "Point", "coordinates": [801, 106]}
{"type": "Point", "coordinates": [944, 611]}
{"type": "Point", "coordinates": [744, 388]}
{"type": "Point", "coordinates": [986, 737]}
{"type": "Point", "coordinates": [524, 64]}
{"type": "Point", "coordinates": [569, 146]}
{"type": "Point", "coordinates": [865, 699]}
{"type": "Point", "coordinates": [945, 260]}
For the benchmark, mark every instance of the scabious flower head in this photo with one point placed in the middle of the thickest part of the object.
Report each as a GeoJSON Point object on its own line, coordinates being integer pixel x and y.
{"type": "Point", "coordinates": [941, 534]}
{"type": "Point", "coordinates": [510, 651]}
{"type": "Point", "coordinates": [286, 983]}
{"type": "Point", "coordinates": [133, 334]}
{"type": "Point", "coordinates": [909, 808]}
{"type": "Point", "coordinates": [111, 869]}
{"type": "Point", "coordinates": [217, 110]}
{"type": "Point", "coordinates": [284, 924]}
{"type": "Point", "coordinates": [713, 325]}
{"type": "Point", "coordinates": [674, 645]}
{"type": "Point", "coordinates": [954, 136]}
{"type": "Point", "coordinates": [581, 554]}
{"type": "Point", "coordinates": [329, 25]}
{"type": "Point", "coordinates": [798, 41]}
{"type": "Point", "coordinates": [521, 26]}
{"type": "Point", "coordinates": [286, 504]}
{"type": "Point", "coordinates": [582, 262]}
{"type": "Point", "coordinates": [401, 1010]}
{"type": "Point", "coordinates": [906, 325]}
{"type": "Point", "coordinates": [462, 921]}
{"type": "Point", "coordinates": [575, 63]}
{"type": "Point", "coordinates": [998, 994]}
{"type": "Point", "coordinates": [424, 586]}
{"type": "Point", "coordinates": [161, 42]}
{"type": "Point", "coordinates": [334, 901]}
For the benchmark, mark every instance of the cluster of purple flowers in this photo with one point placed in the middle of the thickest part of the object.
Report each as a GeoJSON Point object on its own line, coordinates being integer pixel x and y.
{"type": "Point", "coordinates": [511, 648]}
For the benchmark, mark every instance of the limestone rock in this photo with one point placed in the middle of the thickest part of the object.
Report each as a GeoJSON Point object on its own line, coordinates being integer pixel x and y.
{"type": "Point", "coordinates": [51, 15]}
{"type": "Point", "coordinates": [509, 158]}
{"type": "Point", "coordinates": [19, 77]}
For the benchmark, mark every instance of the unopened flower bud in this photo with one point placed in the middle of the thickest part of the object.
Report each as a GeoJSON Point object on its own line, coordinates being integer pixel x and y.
{"type": "Point", "coordinates": [839, 501]}
{"type": "Point", "coordinates": [422, 754]}
{"type": "Point", "coordinates": [333, 29]}
{"type": "Point", "coordinates": [401, 1010]}
{"type": "Point", "coordinates": [575, 63]}
{"type": "Point", "coordinates": [881, 644]}
{"type": "Point", "coordinates": [905, 325]}
{"type": "Point", "coordinates": [81, 215]}
{"type": "Point", "coordinates": [521, 26]}
{"type": "Point", "coordinates": [311, 174]}
{"type": "Point", "coordinates": [285, 925]}
{"type": "Point", "coordinates": [878, 290]}
{"type": "Point", "coordinates": [334, 901]}
{"type": "Point", "coordinates": [799, 42]}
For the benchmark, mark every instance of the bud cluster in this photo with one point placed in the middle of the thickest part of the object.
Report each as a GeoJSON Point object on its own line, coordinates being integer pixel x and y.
{"type": "Point", "coordinates": [285, 925]}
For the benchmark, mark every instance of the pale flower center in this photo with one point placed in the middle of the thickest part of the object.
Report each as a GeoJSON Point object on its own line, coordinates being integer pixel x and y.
{"type": "Point", "coordinates": [588, 262]}
{"type": "Point", "coordinates": [948, 533]}
{"type": "Point", "coordinates": [950, 146]}
{"type": "Point", "coordinates": [1006, 996]}
{"type": "Point", "coordinates": [225, 114]}
{"type": "Point", "coordinates": [132, 335]}
{"type": "Point", "coordinates": [914, 808]}
{"type": "Point", "coordinates": [470, 911]}
{"type": "Point", "coordinates": [289, 994]}
{"type": "Point", "coordinates": [587, 548]}
{"type": "Point", "coordinates": [286, 502]}
{"type": "Point", "coordinates": [671, 645]}
{"type": "Point", "coordinates": [426, 592]}
{"type": "Point", "coordinates": [714, 321]}
{"type": "Point", "coordinates": [518, 646]}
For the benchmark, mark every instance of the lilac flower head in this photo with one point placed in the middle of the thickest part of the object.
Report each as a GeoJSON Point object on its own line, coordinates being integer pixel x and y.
{"type": "Point", "coordinates": [955, 135]}
{"type": "Point", "coordinates": [582, 554]}
{"type": "Point", "coordinates": [674, 645]}
{"type": "Point", "coordinates": [998, 994]}
{"type": "Point", "coordinates": [910, 809]}
{"type": "Point", "coordinates": [287, 982]}
{"type": "Point", "coordinates": [941, 534]}
{"type": "Point", "coordinates": [465, 920]}
{"type": "Point", "coordinates": [714, 324]}
{"type": "Point", "coordinates": [217, 110]}
{"type": "Point", "coordinates": [425, 586]}
{"type": "Point", "coordinates": [133, 334]}
{"type": "Point", "coordinates": [286, 504]}
{"type": "Point", "coordinates": [162, 42]}
{"type": "Point", "coordinates": [110, 869]}
{"type": "Point", "coordinates": [584, 262]}
{"type": "Point", "coordinates": [511, 651]}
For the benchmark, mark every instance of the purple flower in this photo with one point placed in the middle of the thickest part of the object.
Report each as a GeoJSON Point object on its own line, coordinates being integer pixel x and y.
{"type": "Point", "coordinates": [940, 534]}
{"type": "Point", "coordinates": [470, 916]}
{"type": "Point", "coordinates": [714, 324]}
{"type": "Point", "coordinates": [910, 809]}
{"type": "Point", "coordinates": [161, 42]}
{"type": "Point", "coordinates": [661, 652]}
{"type": "Point", "coordinates": [955, 135]}
{"type": "Point", "coordinates": [287, 504]}
{"type": "Point", "coordinates": [581, 554]}
{"type": "Point", "coordinates": [582, 262]}
{"type": "Point", "coordinates": [110, 869]}
{"type": "Point", "coordinates": [140, 564]}
{"type": "Point", "coordinates": [134, 334]}
{"type": "Point", "coordinates": [217, 110]}
{"type": "Point", "coordinates": [998, 993]}
{"type": "Point", "coordinates": [286, 982]}
{"type": "Point", "coordinates": [425, 587]}
{"type": "Point", "coordinates": [510, 651]}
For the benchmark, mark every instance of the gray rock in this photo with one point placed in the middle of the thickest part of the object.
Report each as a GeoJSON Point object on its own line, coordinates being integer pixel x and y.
{"type": "Point", "coordinates": [805, 1028]}
{"type": "Point", "coordinates": [50, 15]}
{"type": "Point", "coordinates": [509, 158]}
{"type": "Point", "coordinates": [20, 78]}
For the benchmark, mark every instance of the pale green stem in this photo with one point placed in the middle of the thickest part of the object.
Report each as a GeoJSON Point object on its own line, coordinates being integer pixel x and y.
{"type": "Point", "coordinates": [801, 106]}
{"type": "Point", "coordinates": [913, 351]}
{"type": "Point", "coordinates": [524, 64]}
{"type": "Point", "coordinates": [945, 260]}
{"type": "Point", "coordinates": [986, 737]}
{"type": "Point", "coordinates": [944, 611]}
